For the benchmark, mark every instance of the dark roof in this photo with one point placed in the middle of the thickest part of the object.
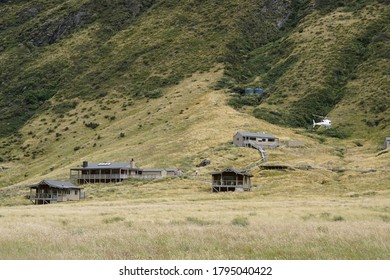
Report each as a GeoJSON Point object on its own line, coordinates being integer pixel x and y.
{"type": "Point", "coordinates": [234, 171]}
{"type": "Point", "coordinates": [107, 165]}
{"type": "Point", "coordinates": [255, 134]}
{"type": "Point", "coordinates": [56, 184]}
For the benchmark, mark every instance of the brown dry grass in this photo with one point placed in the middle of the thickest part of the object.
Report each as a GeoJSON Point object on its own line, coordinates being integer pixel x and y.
{"type": "Point", "coordinates": [176, 220]}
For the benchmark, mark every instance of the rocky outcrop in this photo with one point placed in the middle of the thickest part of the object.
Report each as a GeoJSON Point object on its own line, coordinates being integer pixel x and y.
{"type": "Point", "coordinates": [73, 20]}
{"type": "Point", "coordinates": [280, 9]}
{"type": "Point", "coordinates": [29, 12]}
{"type": "Point", "coordinates": [53, 30]}
{"type": "Point", "coordinates": [134, 6]}
{"type": "Point", "coordinates": [46, 30]}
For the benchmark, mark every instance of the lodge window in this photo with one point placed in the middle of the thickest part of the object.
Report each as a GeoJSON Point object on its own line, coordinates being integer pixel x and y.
{"type": "Point", "coordinates": [76, 192]}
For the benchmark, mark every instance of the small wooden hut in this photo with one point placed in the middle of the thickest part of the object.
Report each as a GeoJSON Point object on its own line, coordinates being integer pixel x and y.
{"type": "Point", "coordinates": [231, 180]}
{"type": "Point", "coordinates": [51, 191]}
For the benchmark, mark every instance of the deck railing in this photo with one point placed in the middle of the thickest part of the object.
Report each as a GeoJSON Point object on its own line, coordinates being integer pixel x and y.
{"type": "Point", "coordinates": [96, 177]}
{"type": "Point", "coordinates": [46, 196]}
{"type": "Point", "coordinates": [228, 183]}
{"type": "Point", "coordinates": [99, 176]}
{"type": "Point", "coordinates": [231, 186]}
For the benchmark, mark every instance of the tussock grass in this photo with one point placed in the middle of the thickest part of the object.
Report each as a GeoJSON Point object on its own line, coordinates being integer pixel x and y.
{"type": "Point", "coordinates": [113, 220]}
{"type": "Point", "coordinates": [197, 221]}
{"type": "Point", "coordinates": [240, 221]}
{"type": "Point", "coordinates": [277, 231]}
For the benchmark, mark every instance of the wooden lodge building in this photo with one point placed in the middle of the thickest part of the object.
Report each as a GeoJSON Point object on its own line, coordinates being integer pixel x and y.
{"type": "Point", "coordinates": [108, 172]}
{"type": "Point", "coordinates": [254, 139]}
{"type": "Point", "coordinates": [50, 191]}
{"type": "Point", "coordinates": [231, 180]}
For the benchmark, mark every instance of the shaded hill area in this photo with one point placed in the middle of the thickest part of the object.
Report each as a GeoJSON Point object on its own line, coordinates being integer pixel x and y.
{"type": "Point", "coordinates": [89, 49]}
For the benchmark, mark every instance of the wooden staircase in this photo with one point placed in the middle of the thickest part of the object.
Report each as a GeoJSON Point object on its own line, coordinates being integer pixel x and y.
{"type": "Point", "coordinates": [259, 148]}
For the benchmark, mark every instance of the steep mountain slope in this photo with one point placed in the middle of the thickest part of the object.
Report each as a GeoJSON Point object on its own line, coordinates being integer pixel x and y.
{"type": "Point", "coordinates": [110, 80]}
{"type": "Point", "coordinates": [86, 49]}
{"type": "Point", "coordinates": [334, 61]}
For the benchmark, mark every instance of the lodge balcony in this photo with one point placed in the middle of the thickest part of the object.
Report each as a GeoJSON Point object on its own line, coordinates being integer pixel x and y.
{"type": "Point", "coordinates": [46, 198]}
{"type": "Point", "coordinates": [107, 178]}
{"type": "Point", "coordinates": [230, 185]}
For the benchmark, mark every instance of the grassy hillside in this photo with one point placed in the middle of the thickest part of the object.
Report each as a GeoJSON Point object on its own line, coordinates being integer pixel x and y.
{"type": "Point", "coordinates": [312, 57]}
{"type": "Point", "coordinates": [331, 204]}
{"type": "Point", "coordinates": [159, 81]}
{"type": "Point", "coordinates": [329, 60]}
{"type": "Point", "coordinates": [87, 49]}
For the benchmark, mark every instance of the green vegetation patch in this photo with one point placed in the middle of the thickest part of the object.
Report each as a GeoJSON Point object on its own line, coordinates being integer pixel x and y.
{"type": "Point", "coordinates": [335, 133]}
{"type": "Point", "coordinates": [114, 219]}
{"type": "Point", "coordinates": [240, 101]}
{"type": "Point", "coordinates": [199, 222]}
{"type": "Point", "coordinates": [240, 221]}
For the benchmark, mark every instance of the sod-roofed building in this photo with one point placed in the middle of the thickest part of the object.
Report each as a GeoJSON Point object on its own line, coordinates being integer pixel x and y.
{"type": "Point", "coordinates": [52, 191]}
{"type": "Point", "coordinates": [231, 179]}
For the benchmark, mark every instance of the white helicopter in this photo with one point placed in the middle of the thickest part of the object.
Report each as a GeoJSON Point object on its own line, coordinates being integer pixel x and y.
{"type": "Point", "coordinates": [325, 122]}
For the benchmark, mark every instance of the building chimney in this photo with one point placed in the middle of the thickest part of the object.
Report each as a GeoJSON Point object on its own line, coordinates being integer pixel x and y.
{"type": "Point", "coordinates": [132, 164]}
{"type": "Point", "coordinates": [85, 164]}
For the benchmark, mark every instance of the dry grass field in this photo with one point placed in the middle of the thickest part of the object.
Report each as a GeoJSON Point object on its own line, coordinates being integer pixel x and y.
{"type": "Point", "coordinates": [181, 219]}
{"type": "Point", "coordinates": [333, 202]}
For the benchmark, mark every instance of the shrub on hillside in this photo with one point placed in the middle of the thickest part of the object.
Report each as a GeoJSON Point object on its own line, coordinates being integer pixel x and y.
{"type": "Point", "coordinates": [240, 101]}
{"type": "Point", "coordinates": [335, 133]}
{"type": "Point", "coordinates": [154, 94]}
{"type": "Point", "coordinates": [92, 125]}
{"type": "Point", "coordinates": [64, 107]}
{"type": "Point", "coordinates": [269, 116]}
